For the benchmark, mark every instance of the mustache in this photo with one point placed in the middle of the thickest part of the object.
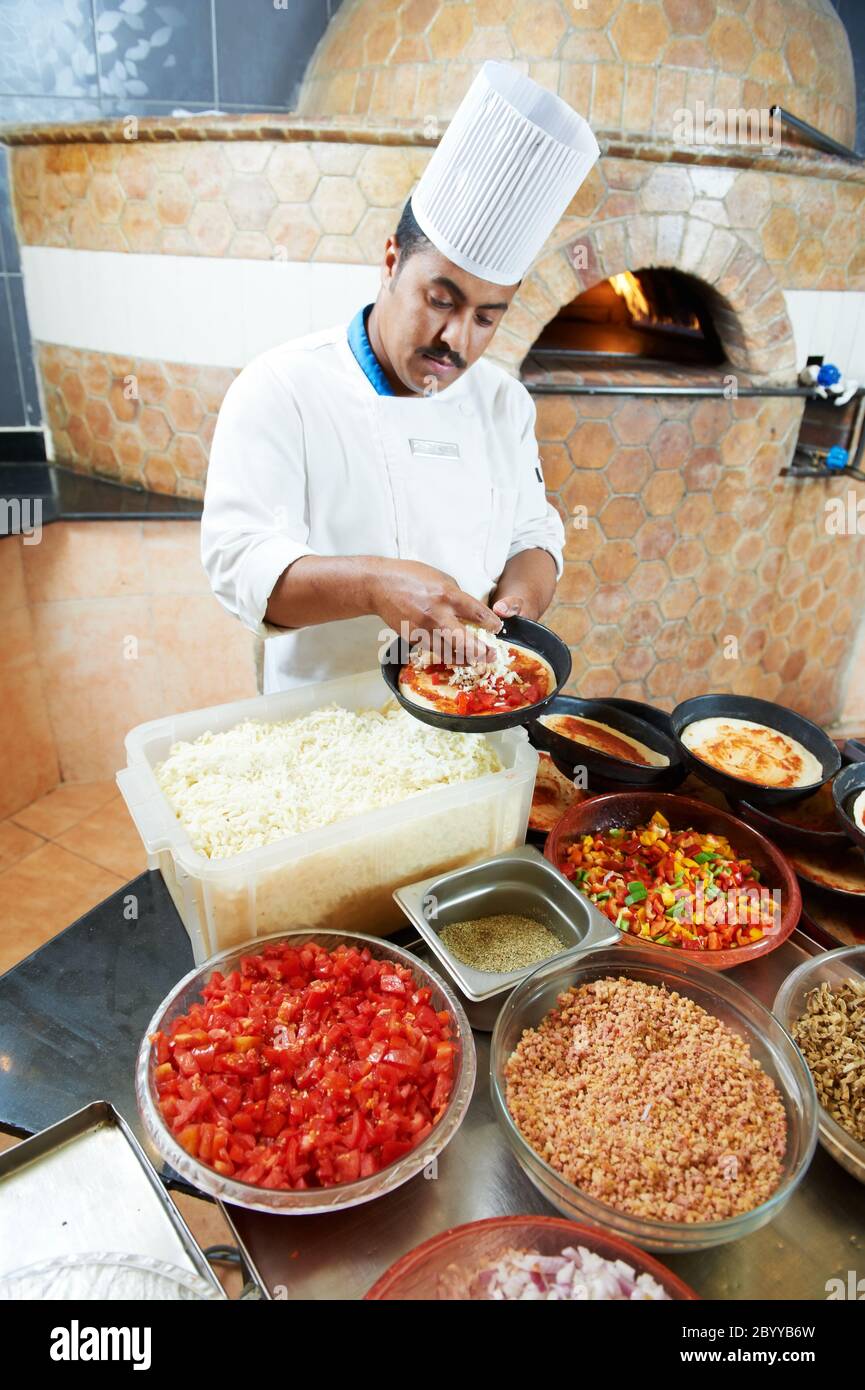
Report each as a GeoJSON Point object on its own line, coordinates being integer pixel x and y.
{"type": "Point", "coordinates": [452, 357]}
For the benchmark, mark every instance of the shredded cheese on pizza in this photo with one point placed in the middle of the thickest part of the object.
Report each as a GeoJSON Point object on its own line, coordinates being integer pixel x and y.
{"type": "Point", "coordinates": [485, 675]}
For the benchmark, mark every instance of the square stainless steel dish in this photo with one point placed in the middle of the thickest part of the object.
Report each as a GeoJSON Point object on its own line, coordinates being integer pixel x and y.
{"type": "Point", "coordinates": [519, 881]}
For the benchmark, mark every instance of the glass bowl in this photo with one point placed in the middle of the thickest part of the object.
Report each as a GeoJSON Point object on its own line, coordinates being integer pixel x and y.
{"type": "Point", "coordinates": [630, 809]}
{"type": "Point", "coordinates": [287, 1200]}
{"type": "Point", "coordinates": [834, 967]}
{"type": "Point", "coordinates": [768, 1042]}
{"type": "Point", "coordinates": [415, 1276]}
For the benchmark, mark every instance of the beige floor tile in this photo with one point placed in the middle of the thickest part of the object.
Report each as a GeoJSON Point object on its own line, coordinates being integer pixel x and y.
{"type": "Point", "coordinates": [108, 838]}
{"type": "Point", "coordinates": [15, 842]}
{"type": "Point", "coordinates": [43, 894]}
{"type": "Point", "coordinates": [68, 804]}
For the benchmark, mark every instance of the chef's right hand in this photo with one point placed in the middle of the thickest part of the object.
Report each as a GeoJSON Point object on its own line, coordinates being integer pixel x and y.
{"type": "Point", "coordinates": [428, 600]}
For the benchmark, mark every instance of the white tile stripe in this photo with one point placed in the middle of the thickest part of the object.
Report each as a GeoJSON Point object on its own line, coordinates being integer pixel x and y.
{"type": "Point", "coordinates": [201, 310]}
{"type": "Point", "coordinates": [222, 312]}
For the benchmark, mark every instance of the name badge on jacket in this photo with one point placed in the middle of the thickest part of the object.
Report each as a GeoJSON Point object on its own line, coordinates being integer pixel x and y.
{"type": "Point", "coordinates": [434, 448]}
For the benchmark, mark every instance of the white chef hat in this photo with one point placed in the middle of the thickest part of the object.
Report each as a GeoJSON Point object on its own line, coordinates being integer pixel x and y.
{"type": "Point", "coordinates": [503, 173]}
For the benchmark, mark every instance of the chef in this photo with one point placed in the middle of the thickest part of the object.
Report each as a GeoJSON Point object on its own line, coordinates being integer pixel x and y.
{"type": "Point", "coordinates": [384, 474]}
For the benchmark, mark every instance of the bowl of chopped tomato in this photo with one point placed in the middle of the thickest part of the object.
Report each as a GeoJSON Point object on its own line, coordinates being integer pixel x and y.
{"type": "Point", "coordinates": [305, 1072]}
{"type": "Point", "coordinates": [678, 874]}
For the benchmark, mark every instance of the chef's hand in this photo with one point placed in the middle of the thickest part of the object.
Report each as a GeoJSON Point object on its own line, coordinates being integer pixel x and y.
{"type": "Point", "coordinates": [428, 600]}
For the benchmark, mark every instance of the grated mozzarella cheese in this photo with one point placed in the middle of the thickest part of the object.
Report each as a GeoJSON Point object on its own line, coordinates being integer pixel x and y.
{"type": "Point", "coordinates": [258, 782]}
{"type": "Point", "coordinates": [487, 674]}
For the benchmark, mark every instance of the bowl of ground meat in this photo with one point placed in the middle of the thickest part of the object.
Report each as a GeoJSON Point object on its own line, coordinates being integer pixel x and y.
{"type": "Point", "coordinates": [822, 1005]}
{"type": "Point", "coordinates": [662, 1102]}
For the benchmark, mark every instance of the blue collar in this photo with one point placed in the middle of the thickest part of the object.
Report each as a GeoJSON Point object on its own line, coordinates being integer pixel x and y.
{"type": "Point", "coordinates": [358, 341]}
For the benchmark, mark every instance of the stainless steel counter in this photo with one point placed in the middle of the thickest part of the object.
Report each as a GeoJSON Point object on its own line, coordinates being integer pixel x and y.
{"type": "Point", "coordinates": [818, 1236]}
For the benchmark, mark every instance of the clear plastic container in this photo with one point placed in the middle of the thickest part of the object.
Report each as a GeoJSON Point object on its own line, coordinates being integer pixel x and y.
{"type": "Point", "coordinates": [341, 876]}
{"type": "Point", "coordinates": [836, 968]}
{"type": "Point", "coordinates": [767, 1041]}
{"type": "Point", "coordinates": [287, 1201]}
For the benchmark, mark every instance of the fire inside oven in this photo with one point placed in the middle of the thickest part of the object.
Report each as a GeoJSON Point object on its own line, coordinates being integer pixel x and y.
{"type": "Point", "coordinates": [654, 316]}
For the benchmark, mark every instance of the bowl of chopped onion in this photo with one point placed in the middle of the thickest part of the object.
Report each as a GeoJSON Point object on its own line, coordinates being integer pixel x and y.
{"type": "Point", "coordinates": [528, 1259]}
{"type": "Point", "coordinates": [678, 875]}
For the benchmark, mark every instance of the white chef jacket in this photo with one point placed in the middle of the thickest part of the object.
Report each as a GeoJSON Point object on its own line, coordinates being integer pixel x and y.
{"type": "Point", "coordinates": [308, 459]}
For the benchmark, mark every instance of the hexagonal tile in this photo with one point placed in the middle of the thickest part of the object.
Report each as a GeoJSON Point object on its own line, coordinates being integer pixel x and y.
{"type": "Point", "coordinates": [155, 429]}
{"type": "Point", "coordinates": [135, 172]}
{"type": "Point", "coordinates": [686, 558]}
{"type": "Point", "coordinates": [81, 438]}
{"type": "Point", "coordinates": [94, 374]}
{"type": "Point", "coordinates": [294, 233]}
{"type": "Point", "coordinates": [173, 200]}
{"type": "Point", "coordinates": [140, 225]}
{"type": "Point", "coordinates": [248, 156]}
{"type": "Point", "coordinates": [583, 541]}
{"type": "Point", "coordinates": [610, 603]}
{"type": "Point", "coordinates": [648, 579]}
{"type": "Point", "coordinates": [584, 494]}
{"type": "Point", "coordinates": [577, 583]}
{"type": "Point", "coordinates": [615, 561]}
{"type": "Point", "coordinates": [628, 470]}
{"type": "Point", "coordinates": [655, 539]}
{"type": "Point", "coordinates": [385, 177]}
{"type": "Point", "coordinates": [678, 598]}
{"type": "Point", "coordinates": [292, 173]}
{"type": "Point", "coordinates": [637, 421]}
{"type": "Point", "coordinates": [642, 622]}
{"type": "Point", "coordinates": [123, 399]}
{"type": "Point", "coordinates": [602, 645]}
{"type": "Point", "coordinates": [251, 246]}
{"type": "Point", "coordinates": [622, 517]}
{"type": "Point", "coordinates": [556, 417]}
{"type": "Point", "coordinates": [159, 474]}
{"type": "Point", "coordinates": [569, 621]}
{"type": "Point", "coordinates": [184, 408]}
{"type": "Point", "coordinates": [211, 229]}
{"type": "Point", "coordinates": [740, 444]}
{"type": "Point", "coordinates": [671, 445]}
{"type": "Point", "coordinates": [639, 32]}
{"type": "Point", "coordinates": [450, 31]}
{"type": "Point", "coordinates": [72, 391]}
{"type": "Point", "coordinates": [250, 201]}
{"type": "Point", "coordinates": [591, 444]}
{"type": "Point", "coordinates": [633, 664]}
{"type": "Point", "coordinates": [99, 418]}
{"type": "Point", "coordinates": [205, 170]}
{"type": "Point", "coordinates": [127, 444]}
{"type": "Point", "coordinates": [537, 28]}
{"type": "Point", "coordinates": [663, 493]}
{"type": "Point", "coordinates": [598, 682]}
{"type": "Point", "coordinates": [187, 456]}
{"type": "Point", "coordinates": [709, 421]}
{"type": "Point", "coordinates": [721, 535]}
{"type": "Point", "coordinates": [380, 39]}
{"type": "Point", "coordinates": [689, 16]}
{"type": "Point", "coordinates": [104, 459]}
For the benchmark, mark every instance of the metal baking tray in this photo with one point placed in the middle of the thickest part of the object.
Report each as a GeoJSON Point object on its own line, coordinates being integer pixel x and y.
{"type": "Point", "coordinates": [519, 881]}
{"type": "Point", "coordinates": [86, 1185]}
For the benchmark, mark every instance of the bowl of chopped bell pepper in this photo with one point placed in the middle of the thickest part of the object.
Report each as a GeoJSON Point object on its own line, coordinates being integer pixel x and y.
{"type": "Point", "coordinates": [677, 874]}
